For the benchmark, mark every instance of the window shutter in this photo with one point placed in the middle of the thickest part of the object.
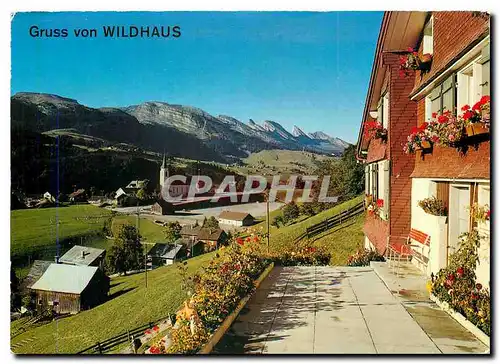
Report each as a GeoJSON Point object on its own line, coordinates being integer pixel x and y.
{"type": "Point", "coordinates": [375, 182]}
{"type": "Point", "coordinates": [387, 179]}
{"type": "Point", "coordinates": [449, 94]}
{"type": "Point", "coordinates": [485, 78]}
{"type": "Point", "coordinates": [443, 193]}
{"type": "Point", "coordinates": [367, 179]}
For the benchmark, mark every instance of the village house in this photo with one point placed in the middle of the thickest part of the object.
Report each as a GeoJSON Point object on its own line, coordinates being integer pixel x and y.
{"type": "Point", "coordinates": [37, 269]}
{"type": "Point", "coordinates": [84, 255]}
{"type": "Point", "coordinates": [166, 254]}
{"type": "Point", "coordinates": [451, 75]}
{"type": "Point", "coordinates": [78, 196]}
{"type": "Point", "coordinates": [236, 218]}
{"type": "Point", "coordinates": [162, 207]}
{"type": "Point", "coordinates": [136, 185]}
{"type": "Point", "coordinates": [67, 288]}
{"type": "Point", "coordinates": [208, 239]}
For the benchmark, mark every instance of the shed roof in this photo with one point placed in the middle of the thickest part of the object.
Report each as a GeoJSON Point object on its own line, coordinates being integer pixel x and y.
{"type": "Point", "coordinates": [234, 215]}
{"type": "Point", "coordinates": [36, 271]}
{"type": "Point", "coordinates": [165, 250]}
{"type": "Point", "coordinates": [81, 255]}
{"type": "Point", "coordinates": [65, 278]}
{"type": "Point", "coordinates": [209, 234]}
{"type": "Point", "coordinates": [77, 192]}
{"type": "Point", "coordinates": [189, 230]}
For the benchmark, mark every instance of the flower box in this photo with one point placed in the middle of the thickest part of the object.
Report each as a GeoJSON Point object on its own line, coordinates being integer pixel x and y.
{"type": "Point", "coordinates": [226, 324]}
{"type": "Point", "coordinates": [477, 129]}
{"type": "Point", "coordinates": [424, 146]}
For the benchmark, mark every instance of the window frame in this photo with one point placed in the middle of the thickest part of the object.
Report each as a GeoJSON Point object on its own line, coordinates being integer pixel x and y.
{"type": "Point", "coordinates": [428, 39]}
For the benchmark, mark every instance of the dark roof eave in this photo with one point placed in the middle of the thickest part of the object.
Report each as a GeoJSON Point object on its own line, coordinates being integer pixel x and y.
{"type": "Point", "coordinates": [383, 26]}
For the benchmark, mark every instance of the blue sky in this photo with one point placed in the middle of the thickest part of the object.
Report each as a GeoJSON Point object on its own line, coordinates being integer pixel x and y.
{"type": "Point", "coordinates": [308, 69]}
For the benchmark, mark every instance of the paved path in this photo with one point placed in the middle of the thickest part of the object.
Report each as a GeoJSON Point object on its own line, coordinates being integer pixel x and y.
{"type": "Point", "coordinates": [334, 310]}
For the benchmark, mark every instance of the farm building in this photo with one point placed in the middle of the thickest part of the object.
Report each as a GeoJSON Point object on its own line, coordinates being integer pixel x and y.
{"type": "Point", "coordinates": [36, 271]}
{"type": "Point", "coordinates": [165, 254]}
{"type": "Point", "coordinates": [70, 289]}
{"type": "Point", "coordinates": [162, 207]}
{"type": "Point", "coordinates": [78, 196]}
{"type": "Point", "coordinates": [236, 218]}
{"type": "Point", "coordinates": [212, 238]}
{"type": "Point", "coordinates": [84, 255]}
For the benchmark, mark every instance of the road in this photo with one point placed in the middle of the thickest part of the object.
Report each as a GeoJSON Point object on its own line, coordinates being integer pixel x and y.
{"type": "Point", "coordinates": [256, 209]}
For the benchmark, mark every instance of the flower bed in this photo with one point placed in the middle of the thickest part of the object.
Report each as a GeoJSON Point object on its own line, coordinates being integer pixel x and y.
{"type": "Point", "coordinates": [219, 289]}
{"type": "Point", "coordinates": [456, 284]}
{"type": "Point", "coordinates": [363, 257]}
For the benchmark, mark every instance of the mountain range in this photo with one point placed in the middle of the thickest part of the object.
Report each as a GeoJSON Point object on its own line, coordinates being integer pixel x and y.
{"type": "Point", "coordinates": [180, 130]}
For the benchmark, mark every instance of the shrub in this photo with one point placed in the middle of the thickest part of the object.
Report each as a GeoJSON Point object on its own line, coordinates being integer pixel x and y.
{"type": "Point", "coordinates": [217, 290]}
{"type": "Point", "coordinates": [290, 212]}
{"type": "Point", "coordinates": [363, 257]}
{"type": "Point", "coordinates": [291, 256]}
{"type": "Point", "coordinates": [457, 286]}
{"type": "Point", "coordinates": [433, 206]}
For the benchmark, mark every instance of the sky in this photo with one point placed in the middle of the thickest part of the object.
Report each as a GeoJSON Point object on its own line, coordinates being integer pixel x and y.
{"type": "Point", "coordinates": [309, 69]}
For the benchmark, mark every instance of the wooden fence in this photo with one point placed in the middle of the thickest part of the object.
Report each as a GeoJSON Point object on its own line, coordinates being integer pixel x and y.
{"type": "Point", "coordinates": [102, 347]}
{"type": "Point", "coordinates": [333, 221]}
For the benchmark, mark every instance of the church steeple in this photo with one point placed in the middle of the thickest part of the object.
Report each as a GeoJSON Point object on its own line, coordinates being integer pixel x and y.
{"type": "Point", "coordinates": [163, 165]}
{"type": "Point", "coordinates": [164, 170]}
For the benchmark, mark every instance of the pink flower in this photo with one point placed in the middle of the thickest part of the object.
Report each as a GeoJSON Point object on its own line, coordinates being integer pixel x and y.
{"type": "Point", "coordinates": [451, 137]}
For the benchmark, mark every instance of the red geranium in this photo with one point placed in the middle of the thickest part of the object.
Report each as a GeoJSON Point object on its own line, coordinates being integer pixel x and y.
{"type": "Point", "coordinates": [156, 328]}
{"type": "Point", "coordinates": [460, 272]}
{"type": "Point", "coordinates": [380, 202]}
{"type": "Point", "coordinates": [465, 107]}
{"type": "Point", "coordinates": [240, 241]}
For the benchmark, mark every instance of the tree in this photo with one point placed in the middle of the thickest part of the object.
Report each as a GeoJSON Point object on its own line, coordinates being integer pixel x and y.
{"type": "Point", "coordinates": [142, 194]}
{"type": "Point", "coordinates": [277, 220]}
{"type": "Point", "coordinates": [307, 209]}
{"type": "Point", "coordinates": [15, 297]}
{"type": "Point", "coordinates": [173, 231]}
{"type": "Point", "coordinates": [290, 212]}
{"type": "Point", "coordinates": [211, 223]}
{"type": "Point", "coordinates": [127, 252]}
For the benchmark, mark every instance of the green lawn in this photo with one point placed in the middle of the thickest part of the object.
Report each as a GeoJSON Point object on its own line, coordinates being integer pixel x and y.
{"type": "Point", "coordinates": [286, 236]}
{"type": "Point", "coordinates": [149, 231]}
{"type": "Point", "coordinates": [34, 231]}
{"type": "Point", "coordinates": [342, 240]}
{"type": "Point", "coordinates": [133, 305]}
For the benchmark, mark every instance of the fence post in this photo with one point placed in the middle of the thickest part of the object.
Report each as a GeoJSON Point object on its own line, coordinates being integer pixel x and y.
{"type": "Point", "coordinates": [99, 347]}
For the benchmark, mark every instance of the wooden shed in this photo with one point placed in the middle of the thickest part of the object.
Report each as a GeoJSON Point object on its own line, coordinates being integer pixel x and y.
{"type": "Point", "coordinates": [70, 288]}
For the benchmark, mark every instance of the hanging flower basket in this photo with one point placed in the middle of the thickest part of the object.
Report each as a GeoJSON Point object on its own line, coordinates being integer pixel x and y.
{"type": "Point", "coordinates": [413, 61]}
{"type": "Point", "coordinates": [477, 129]}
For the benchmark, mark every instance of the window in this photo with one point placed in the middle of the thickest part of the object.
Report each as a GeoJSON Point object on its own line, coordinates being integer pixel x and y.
{"type": "Point", "coordinates": [383, 110]}
{"type": "Point", "coordinates": [428, 41]}
{"type": "Point", "coordinates": [464, 87]}
{"type": "Point", "coordinates": [469, 89]}
{"type": "Point", "coordinates": [443, 97]}
{"type": "Point", "coordinates": [377, 182]}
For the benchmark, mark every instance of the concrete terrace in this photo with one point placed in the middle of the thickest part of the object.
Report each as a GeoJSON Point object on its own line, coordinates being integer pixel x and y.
{"type": "Point", "coordinates": [341, 310]}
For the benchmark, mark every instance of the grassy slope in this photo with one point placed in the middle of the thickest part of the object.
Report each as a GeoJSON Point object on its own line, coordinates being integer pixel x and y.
{"type": "Point", "coordinates": [284, 164]}
{"type": "Point", "coordinates": [341, 241]}
{"type": "Point", "coordinates": [32, 229]}
{"type": "Point", "coordinates": [149, 231]}
{"type": "Point", "coordinates": [133, 306]}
